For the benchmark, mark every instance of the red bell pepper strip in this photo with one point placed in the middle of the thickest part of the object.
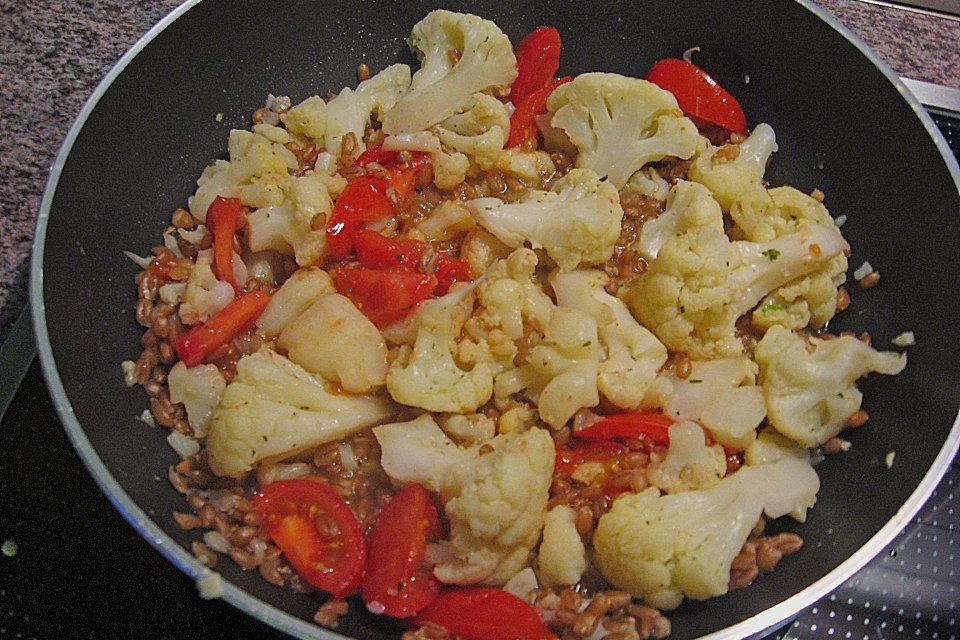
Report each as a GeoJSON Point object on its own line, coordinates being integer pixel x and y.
{"type": "Point", "coordinates": [238, 316]}
{"type": "Point", "coordinates": [697, 94]}
{"type": "Point", "coordinates": [398, 581]}
{"type": "Point", "coordinates": [222, 215]}
{"type": "Point", "coordinates": [363, 200]}
{"type": "Point", "coordinates": [376, 251]}
{"type": "Point", "coordinates": [538, 58]}
{"type": "Point", "coordinates": [384, 296]}
{"type": "Point", "coordinates": [522, 123]}
{"type": "Point", "coordinates": [485, 614]}
{"type": "Point", "coordinates": [290, 510]}
{"type": "Point", "coordinates": [641, 425]}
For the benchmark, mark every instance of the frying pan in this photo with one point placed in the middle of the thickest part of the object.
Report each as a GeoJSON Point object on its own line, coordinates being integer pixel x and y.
{"type": "Point", "coordinates": [844, 122]}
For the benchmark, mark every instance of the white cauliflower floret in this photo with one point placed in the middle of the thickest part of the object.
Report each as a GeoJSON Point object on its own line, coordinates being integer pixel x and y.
{"type": "Point", "coordinates": [446, 81]}
{"type": "Point", "coordinates": [309, 118]}
{"type": "Point", "coordinates": [275, 409]}
{"type": "Point", "coordinates": [529, 166]}
{"type": "Point", "coordinates": [771, 446]}
{"type": "Point", "coordinates": [700, 284]}
{"type": "Point", "coordinates": [811, 393]}
{"type": "Point", "coordinates": [730, 174]}
{"type": "Point", "coordinates": [294, 297]}
{"type": "Point", "coordinates": [496, 504]}
{"type": "Point", "coordinates": [350, 111]}
{"type": "Point", "coordinates": [449, 219]}
{"type": "Point", "coordinates": [449, 167]}
{"type": "Point", "coordinates": [332, 338]}
{"type": "Point", "coordinates": [204, 295]}
{"type": "Point", "coordinates": [765, 215]}
{"type": "Point", "coordinates": [418, 451]}
{"type": "Point", "coordinates": [719, 394]}
{"type": "Point", "coordinates": [663, 547]}
{"type": "Point", "coordinates": [562, 558]}
{"type": "Point", "coordinates": [577, 222]}
{"type": "Point", "coordinates": [620, 124]}
{"type": "Point", "coordinates": [480, 132]}
{"type": "Point", "coordinates": [648, 182]}
{"type": "Point", "coordinates": [689, 205]}
{"type": "Point", "coordinates": [470, 428]}
{"type": "Point", "coordinates": [690, 464]}
{"type": "Point", "coordinates": [632, 355]}
{"type": "Point", "coordinates": [199, 388]}
{"type": "Point", "coordinates": [428, 376]}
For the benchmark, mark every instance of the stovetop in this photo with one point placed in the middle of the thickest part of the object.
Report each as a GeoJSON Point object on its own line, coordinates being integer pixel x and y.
{"type": "Point", "coordinates": [71, 567]}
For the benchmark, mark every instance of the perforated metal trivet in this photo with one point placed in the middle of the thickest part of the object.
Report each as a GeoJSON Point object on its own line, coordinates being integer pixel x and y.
{"type": "Point", "coordinates": [79, 571]}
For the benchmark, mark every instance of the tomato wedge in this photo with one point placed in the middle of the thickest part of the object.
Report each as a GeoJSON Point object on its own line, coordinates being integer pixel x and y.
{"type": "Point", "coordinates": [238, 316]}
{"type": "Point", "coordinates": [300, 516]}
{"type": "Point", "coordinates": [642, 425]}
{"type": "Point", "coordinates": [538, 58]}
{"type": "Point", "coordinates": [384, 296]}
{"type": "Point", "coordinates": [485, 614]}
{"type": "Point", "coordinates": [363, 200]}
{"type": "Point", "coordinates": [376, 251]}
{"type": "Point", "coordinates": [222, 216]}
{"type": "Point", "coordinates": [398, 582]}
{"type": "Point", "coordinates": [523, 125]}
{"type": "Point", "coordinates": [697, 94]}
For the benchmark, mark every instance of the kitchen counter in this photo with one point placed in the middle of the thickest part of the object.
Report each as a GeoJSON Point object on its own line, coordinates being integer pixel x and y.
{"type": "Point", "coordinates": [51, 60]}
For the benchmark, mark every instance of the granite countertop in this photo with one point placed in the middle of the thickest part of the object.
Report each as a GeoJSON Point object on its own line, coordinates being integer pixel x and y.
{"type": "Point", "coordinates": [51, 60]}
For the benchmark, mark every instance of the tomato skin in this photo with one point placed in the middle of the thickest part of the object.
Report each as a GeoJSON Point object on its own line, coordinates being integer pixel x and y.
{"type": "Point", "coordinates": [363, 200]}
{"type": "Point", "coordinates": [222, 216]}
{"type": "Point", "coordinates": [376, 251]}
{"type": "Point", "coordinates": [397, 581]}
{"type": "Point", "coordinates": [642, 425]}
{"type": "Point", "coordinates": [523, 126]}
{"type": "Point", "coordinates": [538, 58]}
{"type": "Point", "coordinates": [238, 316]}
{"type": "Point", "coordinates": [383, 295]}
{"type": "Point", "coordinates": [485, 614]}
{"type": "Point", "coordinates": [289, 509]}
{"type": "Point", "coordinates": [697, 94]}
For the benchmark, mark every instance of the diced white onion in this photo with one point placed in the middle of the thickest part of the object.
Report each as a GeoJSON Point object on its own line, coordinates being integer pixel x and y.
{"type": "Point", "coordinates": [185, 446]}
{"type": "Point", "coordinates": [863, 271]}
{"type": "Point", "coordinates": [171, 243]}
{"type": "Point", "coordinates": [147, 418]}
{"type": "Point", "coordinates": [143, 263]}
{"type": "Point", "coordinates": [195, 236]}
{"type": "Point", "coordinates": [347, 457]}
{"type": "Point", "coordinates": [209, 585]}
{"type": "Point", "coordinates": [688, 54]}
{"type": "Point", "coordinates": [173, 293]}
{"type": "Point", "coordinates": [889, 459]}
{"type": "Point", "coordinates": [840, 220]}
{"type": "Point", "coordinates": [129, 368]}
{"type": "Point", "coordinates": [905, 339]}
{"type": "Point", "coordinates": [522, 583]}
{"type": "Point", "coordinates": [216, 541]}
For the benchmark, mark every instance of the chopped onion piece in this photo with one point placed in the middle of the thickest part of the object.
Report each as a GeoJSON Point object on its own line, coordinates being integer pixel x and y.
{"type": "Point", "coordinates": [522, 583]}
{"type": "Point", "coordinates": [863, 271]}
{"type": "Point", "coordinates": [185, 446]}
{"type": "Point", "coordinates": [129, 368]}
{"type": "Point", "coordinates": [347, 457]}
{"type": "Point", "coordinates": [209, 585]}
{"type": "Point", "coordinates": [840, 220]}
{"type": "Point", "coordinates": [688, 54]}
{"type": "Point", "coordinates": [905, 339]}
{"type": "Point", "coordinates": [889, 459]}
{"type": "Point", "coordinates": [147, 418]}
{"type": "Point", "coordinates": [143, 263]}
{"type": "Point", "coordinates": [195, 236]}
{"type": "Point", "coordinates": [171, 243]}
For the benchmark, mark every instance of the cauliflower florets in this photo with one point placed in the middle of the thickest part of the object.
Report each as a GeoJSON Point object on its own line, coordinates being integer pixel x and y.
{"type": "Point", "coordinates": [701, 282]}
{"type": "Point", "coordinates": [562, 558]}
{"type": "Point", "coordinates": [729, 174]}
{"type": "Point", "coordinates": [578, 222]}
{"type": "Point", "coordinates": [632, 355]}
{"type": "Point", "coordinates": [199, 389]}
{"type": "Point", "coordinates": [811, 393]}
{"type": "Point", "coordinates": [664, 547]}
{"type": "Point", "coordinates": [418, 451]}
{"type": "Point", "coordinates": [449, 167]}
{"type": "Point", "coordinates": [309, 118]}
{"type": "Point", "coordinates": [528, 166]}
{"type": "Point", "coordinates": [689, 205]}
{"type": "Point", "coordinates": [719, 394]}
{"type": "Point", "coordinates": [294, 297]}
{"type": "Point", "coordinates": [765, 215]}
{"type": "Point", "coordinates": [445, 82]}
{"type": "Point", "coordinates": [204, 294]}
{"type": "Point", "coordinates": [479, 132]}
{"type": "Point", "coordinates": [428, 376]}
{"type": "Point", "coordinates": [350, 111]}
{"type": "Point", "coordinates": [332, 338]}
{"type": "Point", "coordinates": [620, 124]}
{"type": "Point", "coordinates": [274, 409]}
{"type": "Point", "coordinates": [690, 464]}
{"type": "Point", "coordinates": [496, 504]}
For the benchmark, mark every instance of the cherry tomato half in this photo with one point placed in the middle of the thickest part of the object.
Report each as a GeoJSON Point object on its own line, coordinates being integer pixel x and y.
{"type": "Point", "coordinates": [697, 94]}
{"type": "Point", "coordinates": [485, 614]}
{"type": "Point", "coordinates": [398, 582]}
{"type": "Point", "coordinates": [317, 532]}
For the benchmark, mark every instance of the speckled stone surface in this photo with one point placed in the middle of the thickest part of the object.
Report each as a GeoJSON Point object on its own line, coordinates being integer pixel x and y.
{"type": "Point", "coordinates": [53, 54]}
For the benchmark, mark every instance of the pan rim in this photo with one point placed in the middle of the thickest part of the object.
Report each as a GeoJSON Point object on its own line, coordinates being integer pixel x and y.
{"type": "Point", "coordinates": [752, 627]}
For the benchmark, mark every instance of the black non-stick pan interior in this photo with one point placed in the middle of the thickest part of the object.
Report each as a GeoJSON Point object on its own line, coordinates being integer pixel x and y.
{"type": "Point", "coordinates": [842, 127]}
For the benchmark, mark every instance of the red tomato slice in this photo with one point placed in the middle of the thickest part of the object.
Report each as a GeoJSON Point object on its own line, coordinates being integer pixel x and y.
{"type": "Point", "coordinates": [600, 451]}
{"type": "Point", "coordinates": [643, 425]}
{"type": "Point", "coordinates": [485, 614]}
{"type": "Point", "coordinates": [381, 295]}
{"type": "Point", "coordinates": [698, 94]}
{"type": "Point", "coordinates": [299, 516]}
{"type": "Point", "coordinates": [222, 216]}
{"type": "Point", "coordinates": [538, 58]}
{"type": "Point", "coordinates": [522, 123]}
{"type": "Point", "coordinates": [363, 200]}
{"type": "Point", "coordinates": [238, 316]}
{"type": "Point", "coordinates": [376, 251]}
{"type": "Point", "coordinates": [398, 582]}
